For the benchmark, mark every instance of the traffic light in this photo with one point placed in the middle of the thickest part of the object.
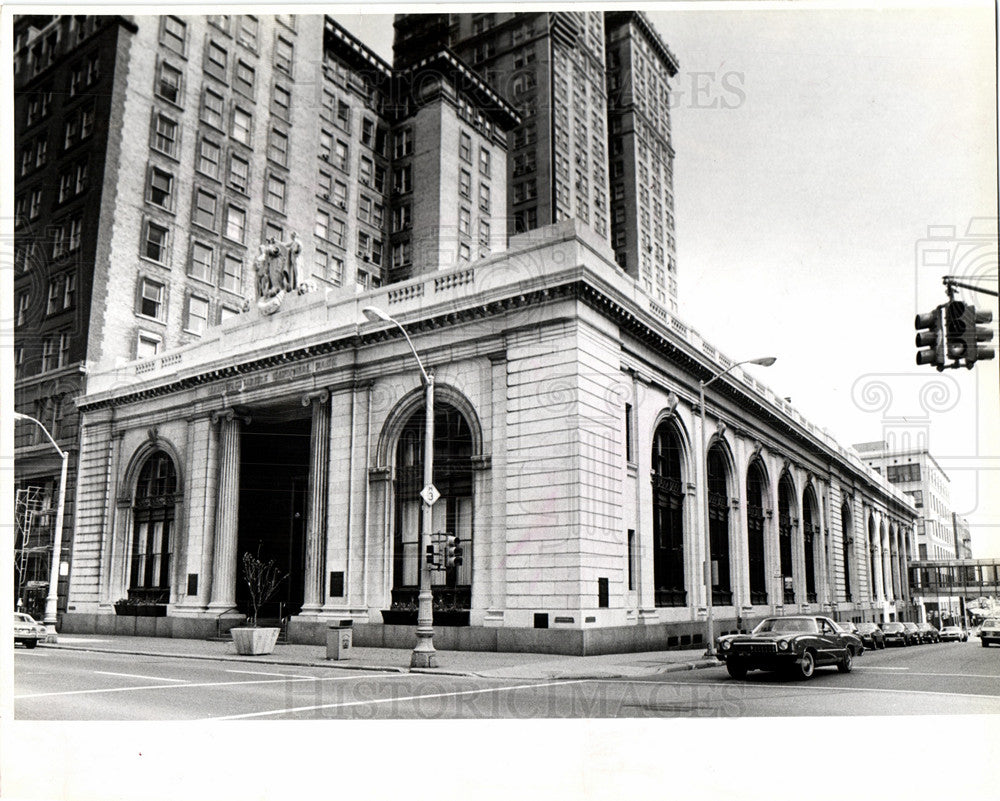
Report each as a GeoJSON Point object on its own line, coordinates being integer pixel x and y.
{"type": "Point", "coordinates": [964, 333]}
{"type": "Point", "coordinates": [931, 336]}
{"type": "Point", "coordinates": [452, 551]}
{"type": "Point", "coordinates": [431, 560]}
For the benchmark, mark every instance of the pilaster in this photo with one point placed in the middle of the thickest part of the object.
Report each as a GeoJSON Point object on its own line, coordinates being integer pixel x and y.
{"type": "Point", "coordinates": [316, 503]}
{"type": "Point", "coordinates": [227, 511]}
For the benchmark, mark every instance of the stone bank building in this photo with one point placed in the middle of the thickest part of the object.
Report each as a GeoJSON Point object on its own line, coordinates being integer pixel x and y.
{"type": "Point", "coordinates": [567, 435]}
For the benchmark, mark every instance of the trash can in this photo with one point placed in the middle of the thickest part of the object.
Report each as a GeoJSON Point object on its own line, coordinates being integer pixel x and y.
{"type": "Point", "coordinates": [339, 637]}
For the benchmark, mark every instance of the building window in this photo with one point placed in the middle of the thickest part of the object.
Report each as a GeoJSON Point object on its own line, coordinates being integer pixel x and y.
{"type": "Point", "coordinates": [339, 194]}
{"type": "Point", "coordinates": [464, 251]}
{"type": "Point", "coordinates": [484, 198]}
{"type": "Point", "coordinates": [150, 557]}
{"type": "Point", "coordinates": [465, 147]}
{"type": "Point", "coordinates": [80, 177]}
{"type": "Point", "coordinates": [322, 227]}
{"type": "Point", "coordinates": [209, 154]}
{"type": "Point", "coordinates": [401, 217]}
{"type": "Point", "coordinates": [151, 296]}
{"type": "Point", "coordinates": [247, 35]}
{"type": "Point", "coordinates": [342, 156]}
{"type": "Point", "coordinates": [212, 108]}
{"type": "Point", "coordinates": [245, 79]}
{"type": "Point", "coordinates": [484, 161]}
{"type": "Point", "coordinates": [173, 34]}
{"type": "Point", "coordinates": [164, 135]}
{"type": "Point", "coordinates": [343, 118]}
{"type": "Point", "coordinates": [55, 293]}
{"type": "Point", "coordinates": [160, 189]}
{"type": "Point", "coordinates": [401, 254]}
{"type": "Point", "coordinates": [464, 221]}
{"type": "Point", "coordinates": [155, 242]}
{"type": "Point", "coordinates": [236, 219]}
{"type": "Point", "coordinates": [465, 184]}
{"type": "Point", "coordinates": [366, 170]}
{"type": "Point", "coordinates": [232, 273]}
{"type": "Point", "coordinates": [197, 315]}
{"type": "Point", "coordinates": [227, 313]}
{"type": "Point", "coordinates": [147, 345]}
{"type": "Point", "coordinates": [275, 197]}
{"type": "Point", "coordinates": [401, 179]}
{"type": "Point", "coordinates": [239, 173]}
{"type": "Point", "coordinates": [668, 535]}
{"type": "Point", "coordinates": [216, 60]}
{"type": "Point", "coordinates": [202, 261]}
{"type": "Point", "coordinates": [23, 304]}
{"type": "Point", "coordinates": [403, 143]}
{"type": "Point", "coordinates": [277, 147]}
{"type": "Point", "coordinates": [283, 55]}
{"type": "Point", "coordinates": [205, 209]}
{"type": "Point", "coordinates": [281, 102]}
{"type": "Point", "coordinates": [484, 233]}
{"type": "Point", "coordinates": [364, 208]}
{"type": "Point", "coordinates": [35, 205]}
{"type": "Point", "coordinates": [242, 125]}
{"type": "Point", "coordinates": [169, 83]}
{"type": "Point", "coordinates": [220, 21]}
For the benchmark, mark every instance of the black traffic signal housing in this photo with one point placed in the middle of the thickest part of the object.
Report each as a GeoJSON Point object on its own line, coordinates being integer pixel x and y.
{"type": "Point", "coordinates": [430, 556]}
{"type": "Point", "coordinates": [931, 327]}
{"type": "Point", "coordinates": [965, 335]}
{"type": "Point", "coordinates": [452, 551]}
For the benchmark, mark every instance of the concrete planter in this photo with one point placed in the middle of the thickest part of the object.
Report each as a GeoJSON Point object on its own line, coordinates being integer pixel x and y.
{"type": "Point", "coordinates": [250, 642]}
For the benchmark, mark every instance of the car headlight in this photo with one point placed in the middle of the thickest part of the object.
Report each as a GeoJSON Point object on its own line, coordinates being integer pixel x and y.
{"type": "Point", "coordinates": [783, 645]}
{"type": "Point", "coordinates": [726, 645]}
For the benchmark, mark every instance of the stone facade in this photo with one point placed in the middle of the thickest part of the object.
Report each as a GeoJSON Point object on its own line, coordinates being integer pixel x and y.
{"type": "Point", "coordinates": [554, 376]}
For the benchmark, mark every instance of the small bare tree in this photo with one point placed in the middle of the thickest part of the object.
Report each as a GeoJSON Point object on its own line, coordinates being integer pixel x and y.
{"type": "Point", "coordinates": [263, 579]}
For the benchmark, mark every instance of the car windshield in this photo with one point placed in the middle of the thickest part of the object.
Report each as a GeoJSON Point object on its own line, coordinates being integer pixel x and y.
{"type": "Point", "coordinates": [866, 627]}
{"type": "Point", "coordinates": [892, 627]}
{"type": "Point", "coordinates": [950, 628]}
{"type": "Point", "coordinates": [791, 624]}
{"type": "Point", "coordinates": [993, 623]}
{"type": "Point", "coordinates": [844, 626]}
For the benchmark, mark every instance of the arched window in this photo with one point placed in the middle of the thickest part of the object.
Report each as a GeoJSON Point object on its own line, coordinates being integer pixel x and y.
{"type": "Point", "coordinates": [153, 513]}
{"type": "Point", "coordinates": [452, 513]}
{"type": "Point", "coordinates": [668, 519]}
{"type": "Point", "coordinates": [718, 527]}
{"type": "Point", "coordinates": [785, 495]}
{"type": "Point", "coordinates": [846, 526]}
{"type": "Point", "coordinates": [809, 531]}
{"type": "Point", "coordinates": [874, 561]}
{"type": "Point", "coordinates": [755, 535]}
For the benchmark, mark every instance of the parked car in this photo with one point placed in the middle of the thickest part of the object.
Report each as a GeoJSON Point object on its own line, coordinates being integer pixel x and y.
{"type": "Point", "coordinates": [916, 637]}
{"type": "Point", "coordinates": [928, 633]}
{"type": "Point", "coordinates": [851, 631]}
{"type": "Point", "coordinates": [989, 632]}
{"type": "Point", "coordinates": [27, 630]}
{"type": "Point", "coordinates": [871, 635]}
{"type": "Point", "coordinates": [797, 644]}
{"type": "Point", "coordinates": [955, 633]}
{"type": "Point", "coordinates": [897, 634]}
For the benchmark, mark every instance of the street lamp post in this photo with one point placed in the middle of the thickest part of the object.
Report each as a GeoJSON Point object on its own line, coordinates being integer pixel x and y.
{"type": "Point", "coordinates": [52, 599]}
{"type": "Point", "coordinates": [764, 361]}
{"type": "Point", "coordinates": [423, 655]}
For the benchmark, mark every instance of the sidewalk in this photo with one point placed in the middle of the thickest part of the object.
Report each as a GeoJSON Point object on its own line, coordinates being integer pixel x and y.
{"type": "Point", "coordinates": [397, 660]}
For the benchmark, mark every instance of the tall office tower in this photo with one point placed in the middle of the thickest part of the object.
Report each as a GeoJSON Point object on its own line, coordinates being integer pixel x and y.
{"type": "Point", "coordinates": [69, 72]}
{"type": "Point", "coordinates": [550, 67]}
{"type": "Point", "coordinates": [642, 155]}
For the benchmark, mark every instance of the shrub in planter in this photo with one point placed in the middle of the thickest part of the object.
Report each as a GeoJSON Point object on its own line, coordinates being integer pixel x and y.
{"type": "Point", "coordinates": [263, 579]}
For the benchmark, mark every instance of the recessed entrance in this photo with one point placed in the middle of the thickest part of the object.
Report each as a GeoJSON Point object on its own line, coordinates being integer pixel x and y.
{"type": "Point", "coordinates": [274, 476]}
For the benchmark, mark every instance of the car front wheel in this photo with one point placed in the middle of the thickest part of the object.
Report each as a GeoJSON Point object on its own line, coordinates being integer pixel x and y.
{"type": "Point", "coordinates": [845, 664]}
{"type": "Point", "coordinates": [806, 665]}
{"type": "Point", "coordinates": [736, 668]}
{"type": "Point", "coordinates": [30, 643]}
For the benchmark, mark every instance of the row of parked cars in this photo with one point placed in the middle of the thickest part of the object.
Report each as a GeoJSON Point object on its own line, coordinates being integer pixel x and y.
{"type": "Point", "coordinates": [875, 636]}
{"type": "Point", "coordinates": [798, 644]}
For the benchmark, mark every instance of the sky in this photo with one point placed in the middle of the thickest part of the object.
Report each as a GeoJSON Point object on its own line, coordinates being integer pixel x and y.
{"type": "Point", "coordinates": [832, 164]}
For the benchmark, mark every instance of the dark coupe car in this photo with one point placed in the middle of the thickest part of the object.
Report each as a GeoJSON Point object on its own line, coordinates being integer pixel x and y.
{"type": "Point", "coordinates": [854, 639]}
{"type": "Point", "coordinates": [897, 634]}
{"type": "Point", "coordinates": [798, 644]}
{"type": "Point", "coordinates": [871, 635]}
{"type": "Point", "coordinates": [917, 636]}
{"type": "Point", "coordinates": [928, 633]}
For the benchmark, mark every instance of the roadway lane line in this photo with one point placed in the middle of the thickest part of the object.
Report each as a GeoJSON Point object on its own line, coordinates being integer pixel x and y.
{"type": "Point", "coordinates": [811, 687]}
{"type": "Point", "coordinates": [196, 684]}
{"type": "Point", "coordinates": [395, 699]}
{"type": "Point", "coordinates": [262, 673]}
{"type": "Point", "coordinates": [871, 667]}
{"type": "Point", "coordinates": [136, 676]}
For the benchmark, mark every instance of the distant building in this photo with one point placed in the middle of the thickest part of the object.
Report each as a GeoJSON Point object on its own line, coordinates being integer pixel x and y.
{"type": "Point", "coordinates": [582, 82]}
{"type": "Point", "coordinates": [917, 473]}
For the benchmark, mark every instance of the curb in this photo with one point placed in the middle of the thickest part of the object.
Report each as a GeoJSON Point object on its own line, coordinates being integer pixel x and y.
{"type": "Point", "coordinates": [243, 659]}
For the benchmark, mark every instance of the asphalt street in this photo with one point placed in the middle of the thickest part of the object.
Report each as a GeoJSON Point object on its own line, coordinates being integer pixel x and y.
{"type": "Point", "coordinates": [52, 684]}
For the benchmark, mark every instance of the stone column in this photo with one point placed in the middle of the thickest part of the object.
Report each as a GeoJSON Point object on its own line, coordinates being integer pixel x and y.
{"type": "Point", "coordinates": [894, 550]}
{"type": "Point", "coordinates": [227, 512]}
{"type": "Point", "coordinates": [495, 534]}
{"type": "Point", "coordinates": [823, 594]}
{"type": "Point", "coordinates": [319, 460]}
{"type": "Point", "coordinates": [739, 550]}
{"type": "Point", "coordinates": [772, 535]}
{"type": "Point", "coordinates": [878, 567]}
{"type": "Point", "coordinates": [886, 562]}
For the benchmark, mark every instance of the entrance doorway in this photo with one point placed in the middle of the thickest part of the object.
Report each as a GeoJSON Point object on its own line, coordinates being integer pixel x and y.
{"type": "Point", "coordinates": [274, 477]}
